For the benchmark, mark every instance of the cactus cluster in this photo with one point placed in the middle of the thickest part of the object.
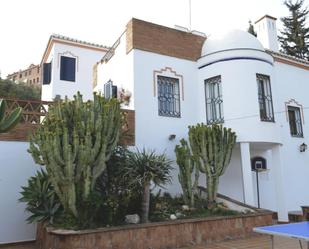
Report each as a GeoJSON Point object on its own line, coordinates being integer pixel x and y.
{"type": "Point", "coordinates": [8, 122]}
{"type": "Point", "coordinates": [74, 142]}
{"type": "Point", "coordinates": [212, 146]}
{"type": "Point", "coordinates": [187, 165]}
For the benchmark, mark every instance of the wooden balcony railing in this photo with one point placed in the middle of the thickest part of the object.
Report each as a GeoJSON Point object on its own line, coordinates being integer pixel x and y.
{"type": "Point", "coordinates": [34, 112]}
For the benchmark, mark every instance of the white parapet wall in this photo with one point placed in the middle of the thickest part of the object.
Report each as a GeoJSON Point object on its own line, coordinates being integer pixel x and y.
{"type": "Point", "coordinates": [16, 166]}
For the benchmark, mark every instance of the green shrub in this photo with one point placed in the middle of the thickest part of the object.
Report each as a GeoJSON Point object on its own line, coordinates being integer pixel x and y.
{"type": "Point", "coordinates": [120, 198]}
{"type": "Point", "coordinates": [41, 199]}
{"type": "Point", "coordinates": [144, 168]}
{"type": "Point", "coordinates": [74, 142]}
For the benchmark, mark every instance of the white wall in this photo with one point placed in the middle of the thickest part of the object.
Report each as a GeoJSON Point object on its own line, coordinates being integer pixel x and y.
{"type": "Point", "coordinates": [151, 130]}
{"type": "Point", "coordinates": [85, 59]}
{"type": "Point", "coordinates": [16, 166]}
{"type": "Point", "coordinates": [239, 92]}
{"type": "Point", "coordinates": [292, 83]}
{"type": "Point", "coordinates": [266, 30]}
{"type": "Point", "coordinates": [119, 69]}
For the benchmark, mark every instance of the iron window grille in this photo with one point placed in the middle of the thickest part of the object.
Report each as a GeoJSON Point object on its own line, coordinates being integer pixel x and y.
{"type": "Point", "coordinates": [295, 121]}
{"type": "Point", "coordinates": [265, 98]}
{"type": "Point", "coordinates": [168, 96]}
{"type": "Point", "coordinates": [214, 101]}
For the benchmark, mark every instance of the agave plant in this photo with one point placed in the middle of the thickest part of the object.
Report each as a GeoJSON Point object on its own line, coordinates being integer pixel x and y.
{"type": "Point", "coordinates": [8, 122]}
{"type": "Point", "coordinates": [144, 168]}
{"type": "Point", "coordinates": [42, 202]}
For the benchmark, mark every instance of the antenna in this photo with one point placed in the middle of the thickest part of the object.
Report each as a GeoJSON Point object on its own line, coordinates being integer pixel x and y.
{"type": "Point", "coordinates": [190, 15]}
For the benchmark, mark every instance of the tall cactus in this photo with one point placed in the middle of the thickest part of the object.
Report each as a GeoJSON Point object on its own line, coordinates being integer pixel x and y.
{"type": "Point", "coordinates": [8, 122]}
{"type": "Point", "coordinates": [213, 146]}
{"type": "Point", "coordinates": [187, 165]}
{"type": "Point", "coordinates": [74, 142]}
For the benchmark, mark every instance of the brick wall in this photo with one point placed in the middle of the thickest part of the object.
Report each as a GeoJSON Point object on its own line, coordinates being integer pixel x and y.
{"type": "Point", "coordinates": [174, 234]}
{"type": "Point", "coordinates": [163, 40]}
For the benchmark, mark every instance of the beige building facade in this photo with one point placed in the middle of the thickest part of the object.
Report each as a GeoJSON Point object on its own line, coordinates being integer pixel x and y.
{"type": "Point", "coordinates": [30, 76]}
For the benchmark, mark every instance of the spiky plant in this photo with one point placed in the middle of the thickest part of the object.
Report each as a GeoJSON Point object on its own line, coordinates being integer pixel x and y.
{"type": "Point", "coordinates": [74, 143]}
{"type": "Point", "coordinates": [187, 165]}
{"type": "Point", "coordinates": [9, 121]}
{"type": "Point", "coordinates": [212, 146]}
{"type": "Point", "coordinates": [146, 167]}
{"type": "Point", "coordinates": [41, 199]}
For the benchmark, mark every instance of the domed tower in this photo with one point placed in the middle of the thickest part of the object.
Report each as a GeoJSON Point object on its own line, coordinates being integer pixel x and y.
{"type": "Point", "coordinates": [237, 88]}
{"type": "Point", "coordinates": [238, 83]}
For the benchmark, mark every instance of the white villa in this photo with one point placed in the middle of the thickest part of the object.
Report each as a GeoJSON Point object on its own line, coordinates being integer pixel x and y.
{"type": "Point", "coordinates": [172, 78]}
{"type": "Point", "coordinates": [178, 79]}
{"type": "Point", "coordinates": [175, 78]}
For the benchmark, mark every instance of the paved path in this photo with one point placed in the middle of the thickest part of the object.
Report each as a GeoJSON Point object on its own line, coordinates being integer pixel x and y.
{"type": "Point", "coordinates": [260, 242]}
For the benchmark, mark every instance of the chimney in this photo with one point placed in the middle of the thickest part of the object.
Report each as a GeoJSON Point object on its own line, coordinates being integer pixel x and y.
{"type": "Point", "coordinates": [266, 30]}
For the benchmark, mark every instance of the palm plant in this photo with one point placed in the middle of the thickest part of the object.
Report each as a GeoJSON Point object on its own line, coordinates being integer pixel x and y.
{"type": "Point", "coordinates": [8, 122]}
{"type": "Point", "coordinates": [144, 168]}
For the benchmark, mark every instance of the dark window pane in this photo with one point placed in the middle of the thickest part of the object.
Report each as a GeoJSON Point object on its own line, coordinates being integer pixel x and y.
{"type": "Point", "coordinates": [67, 68]}
{"type": "Point", "coordinates": [214, 101]}
{"type": "Point", "coordinates": [295, 121]}
{"type": "Point", "coordinates": [47, 73]}
{"type": "Point", "coordinates": [108, 89]}
{"type": "Point", "coordinates": [168, 96]}
{"type": "Point", "coordinates": [265, 98]}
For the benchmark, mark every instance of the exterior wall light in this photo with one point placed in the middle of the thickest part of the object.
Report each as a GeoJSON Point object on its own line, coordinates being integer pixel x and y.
{"type": "Point", "coordinates": [171, 137]}
{"type": "Point", "coordinates": [303, 147]}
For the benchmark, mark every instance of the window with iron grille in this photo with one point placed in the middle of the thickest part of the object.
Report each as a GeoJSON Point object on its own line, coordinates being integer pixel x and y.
{"type": "Point", "coordinates": [168, 96]}
{"type": "Point", "coordinates": [295, 121]}
{"type": "Point", "coordinates": [265, 98]}
{"type": "Point", "coordinates": [214, 101]}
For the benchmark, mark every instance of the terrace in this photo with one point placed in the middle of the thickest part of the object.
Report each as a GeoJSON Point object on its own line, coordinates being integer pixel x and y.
{"type": "Point", "coordinates": [256, 242]}
{"type": "Point", "coordinates": [35, 111]}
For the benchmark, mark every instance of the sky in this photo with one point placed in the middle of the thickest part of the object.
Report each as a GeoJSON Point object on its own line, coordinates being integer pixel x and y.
{"type": "Point", "coordinates": [25, 25]}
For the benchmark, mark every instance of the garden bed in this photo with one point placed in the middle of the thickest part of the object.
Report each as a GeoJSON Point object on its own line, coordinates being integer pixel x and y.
{"type": "Point", "coordinates": [158, 235]}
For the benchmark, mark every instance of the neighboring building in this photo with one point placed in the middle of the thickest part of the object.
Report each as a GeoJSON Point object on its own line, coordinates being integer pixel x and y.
{"type": "Point", "coordinates": [67, 67]}
{"type": "Point", "coordinates": [30, 76]}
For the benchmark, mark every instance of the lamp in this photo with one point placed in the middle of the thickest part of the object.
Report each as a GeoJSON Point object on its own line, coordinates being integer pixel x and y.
{"type": "Point", "coordinates": [303, 147]}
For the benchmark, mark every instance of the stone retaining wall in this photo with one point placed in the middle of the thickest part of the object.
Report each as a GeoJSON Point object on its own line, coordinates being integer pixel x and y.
{"type": "Point", "coordinates": [161, 235]}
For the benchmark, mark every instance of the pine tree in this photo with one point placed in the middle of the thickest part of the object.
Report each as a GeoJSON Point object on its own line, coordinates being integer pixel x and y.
{"type": "Point", "coordinates": [294, 38]}
{"type": "Point", "coordinates": [251, 29]}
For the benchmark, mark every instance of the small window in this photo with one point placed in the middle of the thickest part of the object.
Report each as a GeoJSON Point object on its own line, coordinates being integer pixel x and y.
{"type": "Point", "coordinates": [168, 96]}
{"type": "Point", "coordinates": [20, 75]}
{"type": "Point", "coordinates": [29, 72]}
{"type": "Point", "coordinates": [214, 101]}
{"type": "Point", "coordinates": [265, 98]}
{"type": "Point", "coordinates": [30, 82]}
{"type": "Point", "coordinates": [110, 91]}
{"type": "Point", "coordinates": [38, 70]}
{"type": "Point", "coordinates": [295, 121]}
{"type": "Point", "coordinates": [67, 68]}
{"type": "Point", "coordinates": [25, 74]}
{"type": "Point", "coordinates": [47, 70]}
{"type": "Point", "coordinates": [37, 79]}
